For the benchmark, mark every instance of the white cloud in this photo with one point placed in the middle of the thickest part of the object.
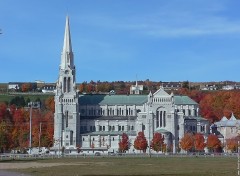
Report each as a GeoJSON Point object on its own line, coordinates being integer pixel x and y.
{"type": "Point", "coordinates": [173, 19]}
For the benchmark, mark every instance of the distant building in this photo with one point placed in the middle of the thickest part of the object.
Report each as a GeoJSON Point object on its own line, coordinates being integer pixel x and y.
{"type": "Point", "coordinates": [228, 87]}
{"type": "Point", "coordinates": [208, 87]}
{"type": "Point", "coordinates": [231, 87]}
{"type": "Point", "coordinates": [171, 85]}
{"type": "Point", "coordinates": [14, 86]}
{"type": "Point", "coordinates": [48, 89]}
{"type": "Point", "coordinates": [17, 86]}
{"type": "Point", "coordinates": [136, 89]}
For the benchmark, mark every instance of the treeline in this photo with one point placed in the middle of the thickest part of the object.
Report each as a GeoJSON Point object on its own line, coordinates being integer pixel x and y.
{"type": "Point", "coordinates": [15, 126]}
{"type": "Point", "coordinates": [215, 104]}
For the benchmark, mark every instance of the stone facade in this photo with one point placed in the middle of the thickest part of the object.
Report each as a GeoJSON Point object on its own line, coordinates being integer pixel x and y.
{"type": "Point", "coordinates": [96, 122]}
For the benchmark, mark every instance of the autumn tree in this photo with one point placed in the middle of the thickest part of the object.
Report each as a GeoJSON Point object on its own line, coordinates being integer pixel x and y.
{"type": "Point", "coordinates": [213, 143]}
{"type": "Point", "coordinates": [140, 142]}
{"type": "Point", "coordinates": [124, 143]}
{"type": "Point", "coordinates": [232, 144]}
{"type": "Point", "coordinates": [50, 103]}
{"type": "Point", "coordinates": [157, 142]}
{"type": "Point", "coordinates": [187, 142]}
{"type": "Point", "coordinates": [199, 143]}
{"type": "Point", "coordinates": [26, 87]}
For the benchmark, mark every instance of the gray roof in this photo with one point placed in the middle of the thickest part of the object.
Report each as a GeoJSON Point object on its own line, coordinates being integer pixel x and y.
{"type": "Point", "coordinates": [183, 100]}
{"type": "Point", "coordinates": [127, 100]}
{"type": "Point", "coordinates": [113, 99]}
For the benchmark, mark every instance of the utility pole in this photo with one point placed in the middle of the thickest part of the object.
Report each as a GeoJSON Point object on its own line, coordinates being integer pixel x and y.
{"type": "Point", "coordinates": [40, 132]}
{"type": "Point", "coordinates": [30, 128]}
{"type": "Point", "coordinates": [149, 142]}
{"type": "Point", "coordinates": [238, 166]}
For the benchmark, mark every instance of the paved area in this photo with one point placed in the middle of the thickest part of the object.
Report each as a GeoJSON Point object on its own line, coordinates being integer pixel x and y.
{"type": "Point", "coordinates": [8, 173]}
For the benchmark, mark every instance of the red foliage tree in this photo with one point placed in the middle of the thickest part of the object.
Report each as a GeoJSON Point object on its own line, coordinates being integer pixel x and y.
{"type": "Point", "coordinates": [124, 143]}
{"type": "Point", "coordinates": [187, 142]}
{"type": "Point", "coordinates": [213, 143]}
{"type": "Point", "coordinates": [199, 142]}
{"type": "Point", "coordinates": [140, 142]}
{"type": "Point", "coordinates": [157, 142]}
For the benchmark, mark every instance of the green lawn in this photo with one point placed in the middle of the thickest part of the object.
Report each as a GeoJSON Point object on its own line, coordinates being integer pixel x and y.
{"type": "Point", "coordinates": [168, 166]}
{"type": "Point", "coordinates": [32, 97]}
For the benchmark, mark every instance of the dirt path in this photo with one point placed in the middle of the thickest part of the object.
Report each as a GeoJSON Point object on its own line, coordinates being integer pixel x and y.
{"type": "Point", "coordinates": [28, 165]}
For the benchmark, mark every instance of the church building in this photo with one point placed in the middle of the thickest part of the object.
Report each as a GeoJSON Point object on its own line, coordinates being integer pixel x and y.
{"type": "Point", "coordinates": [96, 122]}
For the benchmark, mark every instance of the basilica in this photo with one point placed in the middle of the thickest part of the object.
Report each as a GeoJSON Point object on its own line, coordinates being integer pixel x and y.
{"type": "Point", "coordinates": [96, 122]}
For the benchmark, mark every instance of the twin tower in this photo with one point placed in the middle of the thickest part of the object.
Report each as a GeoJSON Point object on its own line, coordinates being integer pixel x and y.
{"type": "Point", "coordinates": [66, 118]}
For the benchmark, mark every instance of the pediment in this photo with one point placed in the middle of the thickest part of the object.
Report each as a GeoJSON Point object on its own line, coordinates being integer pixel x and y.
{"type": "Point", "coordinates": [161, 93]}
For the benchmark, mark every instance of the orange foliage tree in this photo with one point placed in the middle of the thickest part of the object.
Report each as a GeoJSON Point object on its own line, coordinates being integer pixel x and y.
{"type": "Point", "coordinates": [199, 143]}
{"type": "Point", "coordinates": [140, 143]}
{"type": "Point", "coordinates": [213, 143]}
{"type": "Point", "coordinates": [187, 142]}
{"type": "Point", "coordinates": [50, 103]}
{"type": "Point", "coordinates": [124, 143]}
{"type": "Point", "coordinates": [26, 87]}
{"type": "Point", "coordinates": [232, 144]}
{"type": "Point", "coordinates": [157, 142]}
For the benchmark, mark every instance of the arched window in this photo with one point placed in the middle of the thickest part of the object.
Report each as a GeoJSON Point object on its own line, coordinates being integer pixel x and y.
{"type": "Point", "coordinates": [64, 84]}
{"type": "Point", "coordinates": [68, 86]}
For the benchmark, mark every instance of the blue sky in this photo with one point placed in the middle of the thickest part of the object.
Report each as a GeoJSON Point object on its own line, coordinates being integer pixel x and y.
{"type": "Point", "coordinates": [173, 40]}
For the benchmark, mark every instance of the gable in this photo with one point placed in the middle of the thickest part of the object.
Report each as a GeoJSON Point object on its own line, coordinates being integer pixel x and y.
{"type": "Point", "coordinates": [161, 93]}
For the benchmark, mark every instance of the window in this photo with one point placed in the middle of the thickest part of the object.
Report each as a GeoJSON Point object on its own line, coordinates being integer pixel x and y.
{"type": "Point", "coordinates": [132, 128]}
{"type": "Point", "coordinates": [119, 128]}
{"type": "Point", "coordinates": [143, 127]}
{"type": "Point", "coordinates": [122, 128]}
{"type": "Point", "coordinates": [83, 138]}
{"type": "Point", "coordinates": [113, 128]}
{"type": "Point", "coordinates": [110, 128]}
{"type": "Point", "coordinates": [100, 128]}
{"type": "Point", "coordinates": [103, 128]}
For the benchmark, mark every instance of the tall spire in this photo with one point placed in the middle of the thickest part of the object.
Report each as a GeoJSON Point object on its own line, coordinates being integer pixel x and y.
{"type": "Point", "coordinates": [67, 45]}
{"type": "Point", "coordinates": [67, 54]}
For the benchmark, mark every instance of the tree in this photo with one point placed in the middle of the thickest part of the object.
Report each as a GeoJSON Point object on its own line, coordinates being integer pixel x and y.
{"type": "Point", "coordinates": [26, 87]}
{"type": "Point", "coordinates": [232, 144]}
{"type": "Point", "coordinates": [213, 143]}
{"type": "Point", "coordinates": [199, 142]}
{"type": "Point", "coordinates": [124, 143]}
{"type": "Point", "coordinates": [157, 142]}
{"type": "Point", "coordinates": [187, 142]}
{"type": "Point", "coordinates": [50, 104]}
{"type": "Point", "coordinates": [140, 142]}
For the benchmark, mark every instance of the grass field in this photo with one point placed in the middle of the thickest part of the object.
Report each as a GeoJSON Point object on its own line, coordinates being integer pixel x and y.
{"type": "Point", "coordinates": [167, 166]}
{"type": "Point", "coordinates": [32, 97]}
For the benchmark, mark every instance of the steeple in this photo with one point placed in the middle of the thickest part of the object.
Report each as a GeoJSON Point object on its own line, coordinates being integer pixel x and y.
{"type": "Point", "coordinates": [67, 54]}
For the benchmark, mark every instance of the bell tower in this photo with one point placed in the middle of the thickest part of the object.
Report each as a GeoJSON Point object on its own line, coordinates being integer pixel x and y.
{"type": "Point", "coordinates": [66, 118]}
